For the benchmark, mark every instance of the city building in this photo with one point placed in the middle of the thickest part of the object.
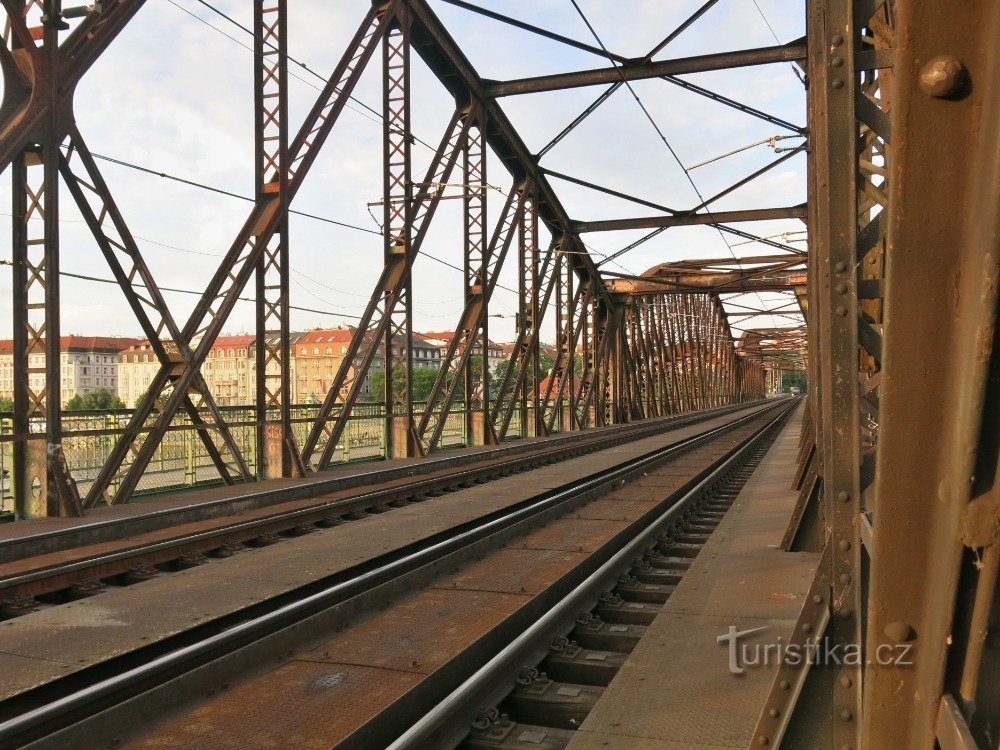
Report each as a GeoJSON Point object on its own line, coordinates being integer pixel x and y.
{"type": "Point", "coordinates": [86, 363]}
{"type": "Point", "coordinates": [230, 370]}
{"type": "Point", "coordinates": [318, 355]}
{"type": "Point", "coordinates": [442, 339]}
{"type": "Point", "coordinates": [137, 366]}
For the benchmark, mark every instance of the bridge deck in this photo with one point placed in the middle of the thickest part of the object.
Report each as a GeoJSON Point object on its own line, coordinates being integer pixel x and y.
{"type": "Point", "coordinates": [160, 511]}
{"type": "Point", "coordinates": [676, 690]}
{"type": "Point", "coordinates": [48, 644]}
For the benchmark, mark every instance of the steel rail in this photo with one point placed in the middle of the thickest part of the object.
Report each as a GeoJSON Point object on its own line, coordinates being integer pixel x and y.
{"type": "Point", "coordinates": [315, 487]}
{"type": "Point", "coordinates": [446, 724]}
{"type": "Point", "coordinates": [245, 530]}
{"type": "Point", "coordinates": [146, 669]}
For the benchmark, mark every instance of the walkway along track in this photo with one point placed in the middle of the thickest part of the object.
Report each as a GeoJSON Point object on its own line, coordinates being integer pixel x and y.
{"type": "Point", "coordinates": [29, 580]}
{"type": "Point", "coordinates": [147, 682]}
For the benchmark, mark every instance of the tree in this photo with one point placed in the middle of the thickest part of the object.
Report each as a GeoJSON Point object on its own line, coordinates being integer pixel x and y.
{"type": "Point", "coordinates": [420, 386]}
{"type": "Point", "coordinates": [6, 404]}
{"type": "Point", "coordinates": [99, 399]}
{"type": "Point", "coordinates": [793, 378]}
{"type": "Point", "coordinates": [139, 399]}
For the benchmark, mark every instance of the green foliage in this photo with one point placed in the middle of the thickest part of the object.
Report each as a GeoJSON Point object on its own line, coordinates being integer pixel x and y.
{"type": "Point", "coordinates": [142, 396]}
{"type": "Point", "coordinates": [789, 380]}
{"type": "Point", "coordinates": [100, 399]}
{"type": "Point", "coordinates": [423, 381]}
{"type": "Point", "coordinates": [6, 403]}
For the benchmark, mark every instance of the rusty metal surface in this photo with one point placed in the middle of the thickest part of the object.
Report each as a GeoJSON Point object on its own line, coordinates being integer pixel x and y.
{"type": "Point", "coordinates": [674, 684]}
{"type": "Point", "coordinates": [428, 630]}
{"type": "Point", "coordinates": [524, 571]}
{"type": "Point", "coordinates": [419, 633]}
{"type": "Point", "coordinates": [301, 704]}
{"type": "Point", "coordinates": [581, 535]}
{"type": "Point", "coordinates": [73, 634]}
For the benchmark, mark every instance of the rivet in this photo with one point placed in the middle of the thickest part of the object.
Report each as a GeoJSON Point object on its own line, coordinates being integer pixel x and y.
{"type": "Point", "coordinates": [784, 685]}
{"type": "Point", "coordinates": [774, 713]}
{"type": "Point", "coordinates": [846, 682]}
{"type": "Point", "coordinates": [838, 83]}
{"type": "Point", "coordinates": [840, 266]}
{"type": "Point", "coordinates": [943, 76]}
{"type": "Point", "coordinates": [843, 496]}
{"type": "Point", "coordinates": [817, 599]}
{"type": "Point", "coordinates": [846, 715]}
{"type": "Point", "coordinates": [807, 628]}
{"type": "Point", "coordinates": [841, 288]}
{"type": "Point", "coordinates": [837, 62]}
{"type": "Point", "coordinates": [844, 545]}
{"type": "Point", "coordinates": [845, 614]}
{"type": "Point", "coordinates": [763, 741]}
{"type": "Point", "coordinates": [841, 310]}
{"type": "Point", "coordinates": [837, 40]}
{"type": "Point", "coordinates": [900, 632]}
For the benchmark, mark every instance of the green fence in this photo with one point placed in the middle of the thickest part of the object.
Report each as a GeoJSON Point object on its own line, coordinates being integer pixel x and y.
{"type": "Point", "coordinates": [181, 459]}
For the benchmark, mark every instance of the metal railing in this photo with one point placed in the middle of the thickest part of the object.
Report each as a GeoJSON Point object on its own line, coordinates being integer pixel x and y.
{"type": "Point", "coordinates": [181, 459]}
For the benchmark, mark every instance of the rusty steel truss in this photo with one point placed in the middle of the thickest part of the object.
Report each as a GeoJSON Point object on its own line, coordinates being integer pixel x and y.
{"type": "Point", "coordinates": [891, 310]}
{"type": "Point", "coordinates": [602, 373]}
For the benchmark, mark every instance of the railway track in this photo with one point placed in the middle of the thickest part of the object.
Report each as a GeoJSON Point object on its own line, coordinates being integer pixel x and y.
{"type": "Point", "coordinates": [548, 698]}
{"type": "Point", "coordinates": [30, 581]}
{"type": "Point", "coordinates": [91, 704]}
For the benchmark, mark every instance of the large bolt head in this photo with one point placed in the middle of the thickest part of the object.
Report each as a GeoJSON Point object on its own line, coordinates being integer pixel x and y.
{"type": "Point", "coordinates": [943, 76]}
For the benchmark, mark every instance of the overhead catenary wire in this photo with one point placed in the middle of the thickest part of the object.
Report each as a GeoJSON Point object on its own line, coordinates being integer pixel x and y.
{"type": "Point", "coordinates": [288, 57]}
{"type": "Point", "coordinates": [220, 191]}
{"type": "Point", "coordinates": [176, 290]}
{"type": "Point", "coordinates": [655, 126]}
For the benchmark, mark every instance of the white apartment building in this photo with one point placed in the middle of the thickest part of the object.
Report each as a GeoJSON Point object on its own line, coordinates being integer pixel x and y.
{"type": "Point", "coordinates": [86, 363]}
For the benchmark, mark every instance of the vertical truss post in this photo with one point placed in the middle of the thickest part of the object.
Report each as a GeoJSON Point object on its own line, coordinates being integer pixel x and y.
{"type": "Point", "coordinates": [521, 373]}
{"type": "Point", "coordinates": [476, 380]}
{"type": "Point", "coordinates": [832, 82]}
{"type": "Point", "coordinates": [935, 542]}
{"type": "Point", "coordinates": [562, 388]}
{"type": "Point", "coordinates": [276, 454]}
{"type": "Point", "coordinates": [835, 29]}
{"type": "Point", "coordinates": [528, 281]}
{"type": "Point", "coordinates": [42, 485]}
{"type": "Point", "coordinates": [479, 291]}
{"type": "Point", "coordinates": [400, 437]}
{"type": "Point", "coordinates": [145, 430]}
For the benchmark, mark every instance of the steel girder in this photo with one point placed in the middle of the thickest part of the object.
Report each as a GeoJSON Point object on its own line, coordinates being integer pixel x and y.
{"type": "Point", "coordinates": [277, 455]}
{"type": "Point", "coordinates": [934, 541]}
{"type": "Point", "coordinates": [38, 125]}
{"type": "Point", "coordinates": [850, 53]}
{"type": "Point", "coordinates": [144, 431]}
{"type": "Point", "coordinates": [632, 71]}
{"type": "Point", "coordinates": [616, 382]}
{"type": "Point", "coordinates": [679, 356]}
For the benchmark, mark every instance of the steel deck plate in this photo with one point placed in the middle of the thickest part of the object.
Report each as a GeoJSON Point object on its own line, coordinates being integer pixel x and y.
{"type": "Point", "coordinates": [301, 704]}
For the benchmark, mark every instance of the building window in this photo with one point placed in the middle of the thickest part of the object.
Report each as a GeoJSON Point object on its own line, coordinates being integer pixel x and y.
{"type": "Point", "coordinates": [315, 351]}
{"type": "Point", "coordinates": [343, 350]}
{"type": "Point", "coordinates": [329, 350]}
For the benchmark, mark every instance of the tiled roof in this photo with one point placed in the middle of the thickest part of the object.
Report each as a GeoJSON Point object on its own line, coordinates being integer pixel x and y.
{"type": "Point", "coordinates": [83, 343]}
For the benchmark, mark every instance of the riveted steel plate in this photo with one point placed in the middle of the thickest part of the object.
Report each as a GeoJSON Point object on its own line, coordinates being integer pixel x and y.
{"type": "Point", "coordinates": [615, 510]}
{"type": "Point", "coordinates": [515, 571]}
{"type": "Point", "coordinates": [574, 535]}
{"type": "Point", "coordinates": [299, 705]}
{"type": "Point", "coordinates": [419, 633]}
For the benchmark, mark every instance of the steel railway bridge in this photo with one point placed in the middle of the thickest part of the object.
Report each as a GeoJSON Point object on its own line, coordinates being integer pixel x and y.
{"type": "Point", "coordinates": [633, 507]}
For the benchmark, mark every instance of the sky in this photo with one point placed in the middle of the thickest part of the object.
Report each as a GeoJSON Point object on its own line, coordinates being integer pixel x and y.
{"type": "Point", "coordinates": [174, 94]}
